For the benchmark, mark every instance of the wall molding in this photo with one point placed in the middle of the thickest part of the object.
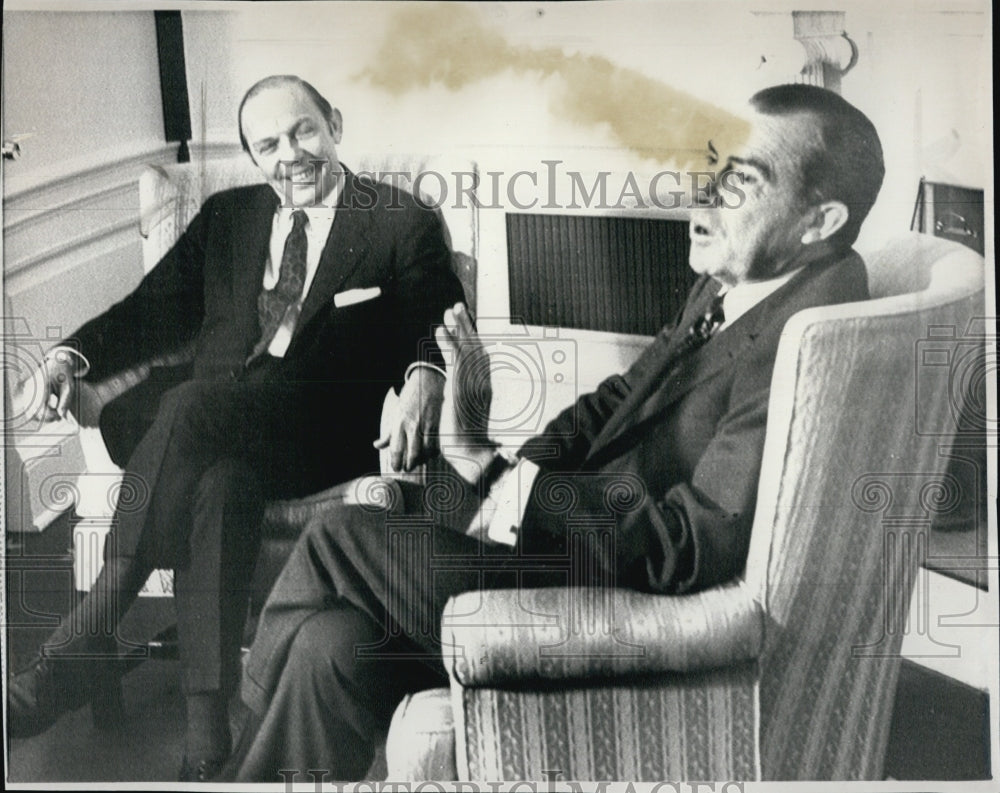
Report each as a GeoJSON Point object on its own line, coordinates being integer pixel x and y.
{"type": "Point", "coordinates": [61, 216]}
{"type": "Point", "coordinates": [214, 149]}
{"type": "Point", "coordinates": [69, 248]}
{"type": "Point", "coordinates": [55, 217]}
{"type": "Point", "coordinates": [80, 172]}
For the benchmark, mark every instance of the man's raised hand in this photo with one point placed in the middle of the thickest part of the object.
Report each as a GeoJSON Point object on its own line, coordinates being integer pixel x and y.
{"type": "Point", "coordinates": [468, 395]}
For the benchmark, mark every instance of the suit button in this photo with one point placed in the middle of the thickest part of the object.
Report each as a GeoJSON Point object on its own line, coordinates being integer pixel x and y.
{"type": "Point", "coordinates": [235, 373]}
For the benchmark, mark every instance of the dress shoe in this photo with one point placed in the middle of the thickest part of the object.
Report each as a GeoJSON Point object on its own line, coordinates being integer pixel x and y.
{"type": "Point", "coordinates": [204, 769]}
{"type": "Point", "coordinates": [40, 694]}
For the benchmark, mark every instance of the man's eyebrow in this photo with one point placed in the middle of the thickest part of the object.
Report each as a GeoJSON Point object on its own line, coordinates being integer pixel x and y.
{"type": "Point", "coordinates": [759, 165]}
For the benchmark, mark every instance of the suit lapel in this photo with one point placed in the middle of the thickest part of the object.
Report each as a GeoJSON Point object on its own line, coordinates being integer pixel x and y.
{"type": "Point", "coordinates": [698, 366]}
{"type": "Point", "coordinates": [694, 369]}
{"type": "Point", "coordinates": [662, 353]}
{"type": "Point", "coordinates": [250, 251]}
{"type": "Point", "coordinates": [346, 248]}
{"type": "Point", "coordinates": [810, 287]}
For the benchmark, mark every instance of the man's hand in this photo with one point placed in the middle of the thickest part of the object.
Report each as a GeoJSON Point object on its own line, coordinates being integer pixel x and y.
{"type": "Point", "coordinates": [468, 397]}
{"type": "Point", "coordinates": [413, 439]}
{"type": "Point", "coordinates": [46, 393]}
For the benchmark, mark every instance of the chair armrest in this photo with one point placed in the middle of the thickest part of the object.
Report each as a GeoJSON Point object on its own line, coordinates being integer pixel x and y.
{"type": "Point", "coordinates": [94, 396]}
{"type": "Point", "coordinates": [421, 741]}
{"type": "Point", "coordinates": [507, 636]}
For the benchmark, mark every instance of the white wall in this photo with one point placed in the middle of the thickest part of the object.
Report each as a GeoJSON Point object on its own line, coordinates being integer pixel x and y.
{"type": "Point", "coordinates": [85, 86]}
{"type": "Point", "coordinates": [211, 64]}
{"type": "Point", "coordinates": [924, 77]}
{"type": "Point", "coordinates": [502, 76]}
{"type": "Point", "coordinates": [505, 84]}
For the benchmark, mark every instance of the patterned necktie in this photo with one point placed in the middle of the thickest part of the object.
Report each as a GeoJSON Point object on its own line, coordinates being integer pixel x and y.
{"type": "Point", "coordinates": [273, 304]}
{"type": "Point", "coordinates": [699, 332]}
{"type": "Point", "coordinates": [703, 327]}
{"type": "Point", "coordinates": [626, 431]}
{"type": "Point", "coordinates": [672, 352]}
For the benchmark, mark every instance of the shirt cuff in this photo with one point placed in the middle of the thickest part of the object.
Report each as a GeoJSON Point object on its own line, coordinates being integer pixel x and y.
{"type": "Point", "coordinates": [423, 365]}
{"type": "Point", "coordinates": [511, 493]}
{"type": "Point", "coordinates": [62, 353]}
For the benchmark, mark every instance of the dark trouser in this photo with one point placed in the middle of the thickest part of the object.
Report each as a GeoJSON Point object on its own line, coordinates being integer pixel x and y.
{"type": "Point", "coordinates": [353, 624]}
{"type": "Point", "coordinates": [192, 500]}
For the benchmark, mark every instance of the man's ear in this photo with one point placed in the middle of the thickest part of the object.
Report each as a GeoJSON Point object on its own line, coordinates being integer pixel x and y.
{"type": "Point", "coordinates": [827, 219]}
{"type": "Point", "coordinates": [336, 122]}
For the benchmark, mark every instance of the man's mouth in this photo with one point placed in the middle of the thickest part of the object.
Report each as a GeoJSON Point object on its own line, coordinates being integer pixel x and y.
{"type": "Point", "coordinates": [303, 174]}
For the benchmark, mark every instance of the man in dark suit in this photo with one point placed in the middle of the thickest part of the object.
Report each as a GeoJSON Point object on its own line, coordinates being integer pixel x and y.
{"type": "Point", "coordinates": [304, 299]}
{"type": "Point", "coordinates": [672, 449]}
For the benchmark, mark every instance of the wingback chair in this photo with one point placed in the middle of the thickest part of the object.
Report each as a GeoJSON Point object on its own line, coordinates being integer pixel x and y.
{"type": "Point", "coordinates": [788, 672]}
{"type": "Point", "coordinates": [169, 198]}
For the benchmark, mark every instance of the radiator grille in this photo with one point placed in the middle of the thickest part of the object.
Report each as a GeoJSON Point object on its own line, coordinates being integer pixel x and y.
{"type": "Point", "coordinates": [625, 275]}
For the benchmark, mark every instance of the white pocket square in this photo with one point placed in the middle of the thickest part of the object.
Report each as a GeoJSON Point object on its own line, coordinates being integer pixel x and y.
{"type": "Point", "coordinates": [352, 296]}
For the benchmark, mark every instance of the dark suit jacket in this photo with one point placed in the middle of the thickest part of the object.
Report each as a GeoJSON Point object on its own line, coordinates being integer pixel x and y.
{"type": "Point", "coordinates": [205, 291]}
{"type": "Point", "coordinates": [671, 457]}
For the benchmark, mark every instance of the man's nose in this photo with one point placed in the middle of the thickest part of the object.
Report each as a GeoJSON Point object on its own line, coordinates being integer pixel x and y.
{"type": "Point", "coordinates": [288, 147]}
{"type": "Point", "coordinates": [707, 195]}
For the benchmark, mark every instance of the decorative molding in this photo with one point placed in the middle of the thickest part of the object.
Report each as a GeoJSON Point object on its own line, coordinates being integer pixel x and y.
{"type": "Point", "coordinates": [42, 222]}
{"type": "Point", "coordinates": [830, 54]}
{"type": "Point", "coordinates": [78, 174]}
{"type": "Point", "coordinates": [70, 247]}
{"type": "Point", "coordinates": [214, 149]}
{"type": "Point", "coordinates": [71, 221]}
{"type": "Point", "coordinates": [25, 218]}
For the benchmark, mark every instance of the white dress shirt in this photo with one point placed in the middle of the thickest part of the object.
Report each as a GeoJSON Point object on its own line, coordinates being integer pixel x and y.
{"type": "Point", "coordinates": [318, 225]}
{"type": "Point", "coordinates": [738, 300]}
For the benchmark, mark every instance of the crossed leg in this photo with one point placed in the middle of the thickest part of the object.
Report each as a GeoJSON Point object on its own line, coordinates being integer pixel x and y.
{"type": "Point", "coordinates": [351, 626]}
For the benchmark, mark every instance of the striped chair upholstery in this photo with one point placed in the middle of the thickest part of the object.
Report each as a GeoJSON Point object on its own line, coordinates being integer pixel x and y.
{"type": "Point", "coordinates": [790, 672]}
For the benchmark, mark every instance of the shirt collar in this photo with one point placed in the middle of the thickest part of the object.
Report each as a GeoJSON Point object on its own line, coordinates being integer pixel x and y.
{"type": "Point", "coordinates": [738, 300]}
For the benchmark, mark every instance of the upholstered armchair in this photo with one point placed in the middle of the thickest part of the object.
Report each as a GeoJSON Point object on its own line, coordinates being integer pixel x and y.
{"type": "Point", "coordinates": [788, 672]}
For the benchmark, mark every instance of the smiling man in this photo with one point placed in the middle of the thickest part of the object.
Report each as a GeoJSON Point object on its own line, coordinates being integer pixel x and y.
{"type": "Point", "coordinates": [303, 300]}
{"type": "Point", "coordinates": [292, 134]}
{"type": "Point", "coordinates": [351, 625]}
